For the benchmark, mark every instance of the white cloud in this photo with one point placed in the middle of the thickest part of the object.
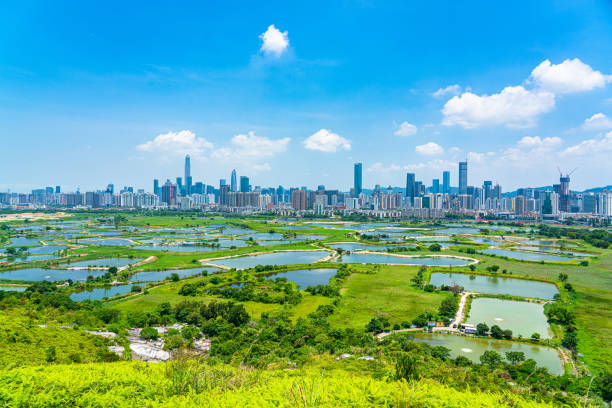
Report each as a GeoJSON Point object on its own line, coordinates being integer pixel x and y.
{"type": "Point", "coordinates": [406, 129]}
{"type": "Point", "coordinates": [262, 167]}
{"type": "Point", "coordinates": [327, 141]}
{"type": "Point", "coordinates": [429, 149]}
{"type": "Point", "coordinates": [251, 147]}
{"type": "Point", "coordinates": [591, 146]}
{"type": "Point", "coordinates": [535, 142]}
{"type": "Point", "coordinates": [177, 143]}
{"type": "Point", "coordinates": [274, 42]}
{"type": "Point", "coordinates": [437, 164]}
{"type": "Point", "coordinates": [475, 157]}
{"type": "Point", "coordinates": [449, 90]}
{"type": "Point", "coordinates": [514, 107]}
{"type": "Point", "coordinates": [454, 150]}
{"type": "Point", "coordinates": [598, 121]}
{"type": "Point", "coordinates": [568, 77]}
{"type": "Point", "coordinates": [378, 167]}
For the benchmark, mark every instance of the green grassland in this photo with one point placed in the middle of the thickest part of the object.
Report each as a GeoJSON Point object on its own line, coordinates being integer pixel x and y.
{"type": "Point", "coordinates": [132, 384]}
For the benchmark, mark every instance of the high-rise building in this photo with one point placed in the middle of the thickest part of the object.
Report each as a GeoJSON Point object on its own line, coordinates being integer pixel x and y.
{"type": "Point", "coordinates": [179, 185]}
{"type": "Point", "coordinates": [244, 184]}
{"type": "Point", "coordinates": [168, 193]}
{"type": "Point", "coordinates": [58, 189]}
{"type": "Point", "coordinates": [463, 177]}
{"type": "Point", "coordinates": [487, 186]}
{"type": "Point", "coordinates": [234, 182]}
{"type": "Point", "coordinates": [188, 179]}
{"type": "Point", "coordinates": [110, 189]}
{"type": "Point", "coordinates": [435, 186]}
{"type": "Point", "coordinates": [410, 193]}
{"type": "Point", "coordinates": [357, 179]}
{"type": "Point", "coordinates": [564, 193]}
{"type": "Point", "coordinates": [222, 182]}
{"type": "Point", "coordinates": [446, 182]}
{"type": "Point", "coordinates": [156, 187]}
{"type": "Point", "coordinates": [298, 200]}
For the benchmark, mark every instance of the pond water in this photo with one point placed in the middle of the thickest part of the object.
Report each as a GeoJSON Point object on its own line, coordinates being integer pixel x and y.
{"type": "Point", "coordinates": [277, 242]}
{"type": "Point", "coordinates": [524, 318]}
{"type": "Point", "coordinates": [227, 243]}
{"type": "Point", "coordinates": [274, 258]}
{"type": "Point", "coordinates": [527, 256]}
{"type": "Point", "coordinates": [307, 277]}
{"type": "Point", "coordinates": [13, 288]}
{"type": "Point", "coordinates": [496, 285]}
{"type": "Point", "coordinates": [458, 230]}
{"type": "Point", "coordinates": [106, 242]}
{"type": "Point", "coordinates": [546, 243]}
{"type": "Point", "coordinates": [296, 227]}
{"type": "Point", "coordinates": [103, 262]}
{"type": "Point", "coordinates": [263, 236]}
{"type": "Point", "coordinates": [310, 237]}
{"type": "Point", "coordinates": [554, 251]}
{"type": "Point", "coordinates": [40, 274]}
{"type": "Point", "coordinates": [101, 293]}
{"type": "Point", "coordinates": [487, 241]}
{"type": "Point", "coordinates": [155, 276]}
{"type": "Point", "coordinates": [46, 249]}
{"type": "Point", "coordinates": [472, 348]}
{"type": "Point", "coordinates": [235, 230]}
{"type": "Point", "coordinates": [432, 238]}
{"type": "Point", "coordinates": [389, 259]}
{"type": "Point", "coordinates": [29, 258]}
{"type": "Point", "coordinates": [177, 248]}
{"type": "Point", "coordinates": [19, 242]}
{"type": "Point", "coordinates": [354, 246]}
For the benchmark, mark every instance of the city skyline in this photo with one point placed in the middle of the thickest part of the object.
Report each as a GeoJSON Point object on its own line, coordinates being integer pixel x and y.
{"type": "Point", "coordinates": [288, 103]}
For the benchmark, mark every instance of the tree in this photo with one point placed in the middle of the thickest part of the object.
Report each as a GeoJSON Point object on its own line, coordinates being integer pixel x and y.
{"type": "Point", "coordinates": [113, 270]}
{"type": "Point", "coordinates": [440, 352]}
{"type": "Point", "coordinates": [570, 340]}
{"type": "Point", "coordinates": [174, 277]}
{"type": "Point", "coordinates": [563, 277]}
{"type": "Point", "coordinates": [374, 326]}
{"type": "Point", "coordinates": [515, 357]}
{"type": "Point", "coordinates": [604, 385]}
{"type": "Point", "coordinates": [164, 309]}
{"type": "Point", "coordinates": [535, 337]}
{"type": "Point", "coordinates": [191, 332]}
{"type": "Point", "coordinates": [507, 334]}
{"type": "Point", "coordinates": [448, 307]}
{"type": "Point", "coordinates": [50, 354]}
{"type": "Point", "coordinates": [497, 332]}
{"type": "Point", "coordinates": [149, 333]}
{"type": "Point", "coordinates": [491, 358]}
{"type": "Point", "coordinates": [435, 247]}
{"type": "Point", "coordinates": [406, 368]}
{"type": "Point", "coordinates": [482, 329]}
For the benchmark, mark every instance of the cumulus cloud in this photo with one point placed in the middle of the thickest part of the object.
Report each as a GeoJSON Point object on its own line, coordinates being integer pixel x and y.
{"type": "Point", "coordinates": [378, 167]}
{"type": "Point", "coordinates": [570, 76]}
{"type": "Point", "coordinates": [514, 106]}
{"type": "Point", "coordinates": [437, 164]}
{"type": "Point", "coordinates": [429, 149]}
{"type": "Point", "coordinates": [274, 42]}
{"type": "Point", "coordinates": [535, 142]}
{"type": "Point", "coordinates": [262, 167]}
{"type": "Point", "coordinates": [590, 146]}
{"type": "Point", "coordinates": [177, 143]}
{"type": "Point", "coordinates": [327, 141]}
{"type": "Point", "coordinates": [598, 121]}
{"type": "Point", "coordinates": [251, 146]}
{"type": "Point", "coordinates": [449, 90]}
{"type": "Point", "coordinates": [405, 129]}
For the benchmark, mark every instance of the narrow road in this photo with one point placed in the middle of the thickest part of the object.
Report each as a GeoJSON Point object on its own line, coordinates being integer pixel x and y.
{"type": "Point", "coordinates": [461, 311]}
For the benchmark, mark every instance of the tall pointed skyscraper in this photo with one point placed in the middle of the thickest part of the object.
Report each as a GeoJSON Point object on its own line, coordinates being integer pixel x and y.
{"type": "Point", "coordinates": [234, 182]}
{"type": "Point", "coordinates": [188, 180]}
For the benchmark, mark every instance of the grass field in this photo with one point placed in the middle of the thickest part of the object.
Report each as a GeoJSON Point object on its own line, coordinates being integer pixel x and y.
{"type": "Point", "coordinates": [389, 292]}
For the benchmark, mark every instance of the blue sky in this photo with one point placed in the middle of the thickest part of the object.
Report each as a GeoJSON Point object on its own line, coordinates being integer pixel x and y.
{"type": "Point", "coordinates": [294, 94]}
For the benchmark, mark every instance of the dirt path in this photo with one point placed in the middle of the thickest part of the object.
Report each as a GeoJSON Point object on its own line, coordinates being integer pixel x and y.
{"type": "Point", "coordinates": [382, 335]}
{"type": "Point", "coordinates": [144, 261]}
{"type": "Point", "coordinates": [460, 311]}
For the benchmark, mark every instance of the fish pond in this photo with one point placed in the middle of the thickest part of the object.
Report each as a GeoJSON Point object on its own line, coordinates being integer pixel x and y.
{"type": "Point", "coordinates": [396, 260]}
{"type": "Point", "coordinates": [307, 277]}
{"type": "Point", "coordinates": [496, 285]}
{"type": "Point", "coordinates": [101, 293]}
{"type": "Point", "coordinates": [155, 276]}
{"type": "Point", "coordinates": [273, 258]}
{"type": "Point", "coordinates": [472, 348]}
{"type": "Point", "coordinates": [526, 256]}
{"type": "Point", "coordinates": [103, 262]}
{"type": "Point", "coordinates": [40, 274]}
{"type": "Point", "coordinates": [523, 318]}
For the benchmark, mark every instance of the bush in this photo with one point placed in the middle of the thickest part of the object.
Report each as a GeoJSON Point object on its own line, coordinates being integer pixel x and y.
{"type": "Point", "coordinates": [149, 333]}
{"type": "Point", "coordinates": [435, 247]}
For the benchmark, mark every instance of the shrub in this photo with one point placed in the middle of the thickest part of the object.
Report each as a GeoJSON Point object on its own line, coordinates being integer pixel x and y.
{"type": "Point", "coordinates": [149, 333]}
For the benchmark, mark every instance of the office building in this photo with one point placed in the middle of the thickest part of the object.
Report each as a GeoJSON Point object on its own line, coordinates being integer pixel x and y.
{"type": "Point", "coordinates": [435, 186]}
{"type": "Point", "coordinates": [298, 200]}
{"type": "Point", "coordinates": [188, 180]}
{"type": "Point", "coordinates": [446, 182]}
{"type": "Point", "coordinates": [156, 187]}
{"type": "Point", "coordinates": [410, 193]}
{"type": "Point", "coordinates": [244, 184]}
{"type": "Point", "coordinates": [169, 193]}
{"type": "Point", "coordinates": [463, 177]}
{"type": "Point", "coordinates": [357, 179]}
{"type": "Point", "coordinates": [234, 182]}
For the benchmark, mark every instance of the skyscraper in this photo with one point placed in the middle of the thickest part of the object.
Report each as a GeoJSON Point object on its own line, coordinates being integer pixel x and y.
{"type": "Point", "coordinates": [446, 182]}
{"type": "Point", "coordinates": [435, 186]}
{"type": "Point", "coordinates": [244, 184]}
{"type": "Point", "coordinates": [487, 186]}
{"type": "Point", "coordinates": [168, 193]}
{"type": "Point", "coordinates": [463, 177]}
{"type": "Point", "coordinates": [410, 193]}
{"type": "Point", "coordinates": [156, 187]}
{"type": "Point", "coordinates": [234, 182]}
{"type": "Point", "coordinates": [357, 179]}
{"type": "Point", "coordinates": [188, 180]}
